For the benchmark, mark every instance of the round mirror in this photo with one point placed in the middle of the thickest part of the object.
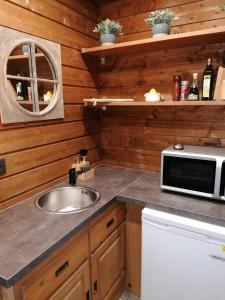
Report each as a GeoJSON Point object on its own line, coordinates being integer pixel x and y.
{"type": "Point", "coordinates": [32, 79]}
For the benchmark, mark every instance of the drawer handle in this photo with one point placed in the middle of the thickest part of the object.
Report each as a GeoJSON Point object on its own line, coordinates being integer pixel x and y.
{"type": "Point", "coordinates": [110, 223]}
{"type": "Point", "coordinates": [62, 268]}
{"type": "Point", "coordinates": [87, 295]}
{"type": "Point", "coordinates": [95, 287]}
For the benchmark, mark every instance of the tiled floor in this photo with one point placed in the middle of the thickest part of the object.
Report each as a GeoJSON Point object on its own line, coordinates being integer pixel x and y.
{"type": "Point", "coordinates": [128, 296]}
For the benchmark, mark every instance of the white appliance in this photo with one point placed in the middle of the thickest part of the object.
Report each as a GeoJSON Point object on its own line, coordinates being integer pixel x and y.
{"type": "Point", "coordinates": [194, 170]}
{"type": "Point", "coordinates": [182, 258]}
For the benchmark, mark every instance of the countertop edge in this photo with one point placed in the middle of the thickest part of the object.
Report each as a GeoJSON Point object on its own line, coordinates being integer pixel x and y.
{"type": "Point", "coordinates": [171, 209]}
{"type": "Point", "coordinates": [9, 282]}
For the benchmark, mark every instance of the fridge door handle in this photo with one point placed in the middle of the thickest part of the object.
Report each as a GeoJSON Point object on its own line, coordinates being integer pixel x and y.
{"type": "Point", "coordinates": [157, 224]}
{"type": "Point", "coordinates": [215, 241]}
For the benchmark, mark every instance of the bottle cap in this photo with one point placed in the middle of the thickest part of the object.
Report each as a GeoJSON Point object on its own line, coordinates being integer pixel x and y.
{"type": "Point", "coordinates": [195, 75]}
{"type": "Point", "coordinates": [184, 82]}
{"type": "Point", "coordinates": [177, 78]}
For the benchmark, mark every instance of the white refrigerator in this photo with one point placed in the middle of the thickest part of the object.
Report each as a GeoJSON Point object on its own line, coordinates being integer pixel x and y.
{"type": "Point", "coordinates": [182, 258]}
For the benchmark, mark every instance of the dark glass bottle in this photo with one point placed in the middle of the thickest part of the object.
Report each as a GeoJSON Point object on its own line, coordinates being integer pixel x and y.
{"type": "Point", "coordinates": [19, 91]}
{"type": "Point", "coordinates": [207, 84]}
{"type": "Point", "coordinates": [194, 90]}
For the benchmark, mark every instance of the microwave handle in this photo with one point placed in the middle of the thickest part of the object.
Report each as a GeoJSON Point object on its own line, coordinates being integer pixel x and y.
{"type": "Point", "coordinates": [218, 178]}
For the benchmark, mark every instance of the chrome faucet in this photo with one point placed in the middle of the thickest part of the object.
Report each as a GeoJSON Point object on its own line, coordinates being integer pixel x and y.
{"type": "Point", "coordinates": [73, 174]}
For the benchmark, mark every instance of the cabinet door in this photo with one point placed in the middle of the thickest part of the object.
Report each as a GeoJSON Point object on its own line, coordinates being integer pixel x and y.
{"type": "Point", "coordinates": [77, 287]}
{"type": "Point", "coordinates": [108, 266]}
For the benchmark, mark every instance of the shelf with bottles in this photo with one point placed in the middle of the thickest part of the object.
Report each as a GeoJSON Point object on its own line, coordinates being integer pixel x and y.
{"type": "Point", "coordinates": [105, 103]}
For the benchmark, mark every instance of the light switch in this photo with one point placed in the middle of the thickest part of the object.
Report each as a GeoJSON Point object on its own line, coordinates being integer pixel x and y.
{"type": "Point", "coordinates": [2, 167]}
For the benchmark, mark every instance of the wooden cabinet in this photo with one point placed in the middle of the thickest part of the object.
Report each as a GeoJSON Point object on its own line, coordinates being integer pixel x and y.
{"type": "Point", "coordinates": [108, 266]}
{"type": "Point", "coordinates": [76, 287]}
{"type": "Point", "coordinates": [66, 274]}
{"type": "Point", "coordinates": [48, 276]}
{"type": "Point", "coordinates": [133, 249]}
{"type": "Point", "coordinates": [102, 226]}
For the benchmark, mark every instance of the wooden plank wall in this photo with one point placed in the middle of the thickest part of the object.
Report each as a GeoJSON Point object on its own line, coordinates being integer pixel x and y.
{"type": "Point", "coordinates": [38, 155]}
{"type": "Point", "coordinates": [134, 137]}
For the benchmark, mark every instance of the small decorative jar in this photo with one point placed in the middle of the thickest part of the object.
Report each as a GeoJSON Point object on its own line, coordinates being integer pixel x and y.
{"type": "Point", "coordinates": [25, 48]}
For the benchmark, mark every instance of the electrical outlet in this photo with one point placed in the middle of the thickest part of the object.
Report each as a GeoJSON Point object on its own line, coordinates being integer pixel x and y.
{"type": "Point", "coordinates": [2, 167]}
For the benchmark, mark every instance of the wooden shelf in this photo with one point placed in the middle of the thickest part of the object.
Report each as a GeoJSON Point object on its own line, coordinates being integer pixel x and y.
{"type": "Point", "coordinates": [164, 103]}
{"type": "Point", "coordinates": [104, 100]}
{"type": "Point", "coordinates": [31, 102]}
{"type": "Point", "coordinates": [24, 56]}
{"type": "Point", "coordinates": [200, 37]}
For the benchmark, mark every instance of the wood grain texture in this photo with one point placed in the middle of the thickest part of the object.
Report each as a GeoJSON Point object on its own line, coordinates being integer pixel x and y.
{"type": "Point", "coordinates": [67, 16]}
{"type": "Point", "coordinates": [39, 154]}
{"type": "Point", "coordinates": [102, 226]}
{"type": "Point", "coordinates": [76, 286]}
{"type": "Point", "coordinates": [7, 294]}
{"type": "Point", "coordinates": [135, 136]}
{"type": "Point", "coordinates": [133, 249]}
{"type": "Point", "coordinates": [108, 265]}
{"type": "Point", "coordinates": [84, 7]}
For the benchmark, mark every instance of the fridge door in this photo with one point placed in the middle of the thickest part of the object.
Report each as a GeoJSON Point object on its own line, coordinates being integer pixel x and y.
{"type": "Point", "coordinates": [179, 264]}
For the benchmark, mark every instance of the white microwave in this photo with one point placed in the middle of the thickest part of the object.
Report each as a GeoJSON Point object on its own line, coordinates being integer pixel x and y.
{"type": "Point", "coordinates": [194, 170]}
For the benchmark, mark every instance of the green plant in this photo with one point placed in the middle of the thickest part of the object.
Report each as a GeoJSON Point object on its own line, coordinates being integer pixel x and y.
{"type": "Point", "coordinates": [160, 16]}
{"type": "Point", "coordinates": [222, 7]}
{"type": "Point", "coordinates": [109, 27]}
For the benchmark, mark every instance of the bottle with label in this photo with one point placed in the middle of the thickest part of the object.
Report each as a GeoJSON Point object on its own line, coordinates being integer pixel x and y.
{"type": "Point", "coordinates": [29, 93]}
{"type": "Point", "coordinates": [207, 84]}
{"type": "Point", "coordinates": [19, 91]}
{"type": "Point", "coordinates": [184, 90]}
{"type": "Point", "coordinates": [194, 90]}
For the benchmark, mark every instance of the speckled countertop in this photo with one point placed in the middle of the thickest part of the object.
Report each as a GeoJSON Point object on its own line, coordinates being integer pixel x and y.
{"type": "Point", "coordinates": [28, 235]}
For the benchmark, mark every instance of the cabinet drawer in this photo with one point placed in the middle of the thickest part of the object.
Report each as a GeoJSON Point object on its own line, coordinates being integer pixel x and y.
{"type": "Point", "coordinates": [102, 226]}
{"type": "Point", "coordinates": [43, 281]}
{"type": "Point", "coordinates": [76, 287]}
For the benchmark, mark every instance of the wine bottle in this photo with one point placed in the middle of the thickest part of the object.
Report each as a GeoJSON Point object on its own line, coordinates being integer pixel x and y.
{"type": "Point", "coordinates": [194, 91]}
{"type": "Point", "coordinates": [19, 91]}
{"type": "Point", "coordinates": [207, 84]}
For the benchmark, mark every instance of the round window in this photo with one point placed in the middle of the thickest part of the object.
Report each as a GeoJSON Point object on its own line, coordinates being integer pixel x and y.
{"type": "Point", "coordinates": [32, 79]}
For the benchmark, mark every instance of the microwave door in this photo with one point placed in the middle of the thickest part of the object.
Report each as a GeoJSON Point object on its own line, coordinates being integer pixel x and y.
{"type": "Point", "coordinates": [189, 175]}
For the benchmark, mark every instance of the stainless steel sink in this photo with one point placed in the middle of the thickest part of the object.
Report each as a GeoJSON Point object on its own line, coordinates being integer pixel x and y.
{"type": "Point", "coordinates": [67, 199]}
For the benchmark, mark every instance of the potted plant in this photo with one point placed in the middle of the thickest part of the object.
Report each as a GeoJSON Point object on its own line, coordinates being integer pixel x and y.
{"type": "Point", "coordinates": [160, 21]}
{"type": "Point", "coordinates": [108, 31]}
